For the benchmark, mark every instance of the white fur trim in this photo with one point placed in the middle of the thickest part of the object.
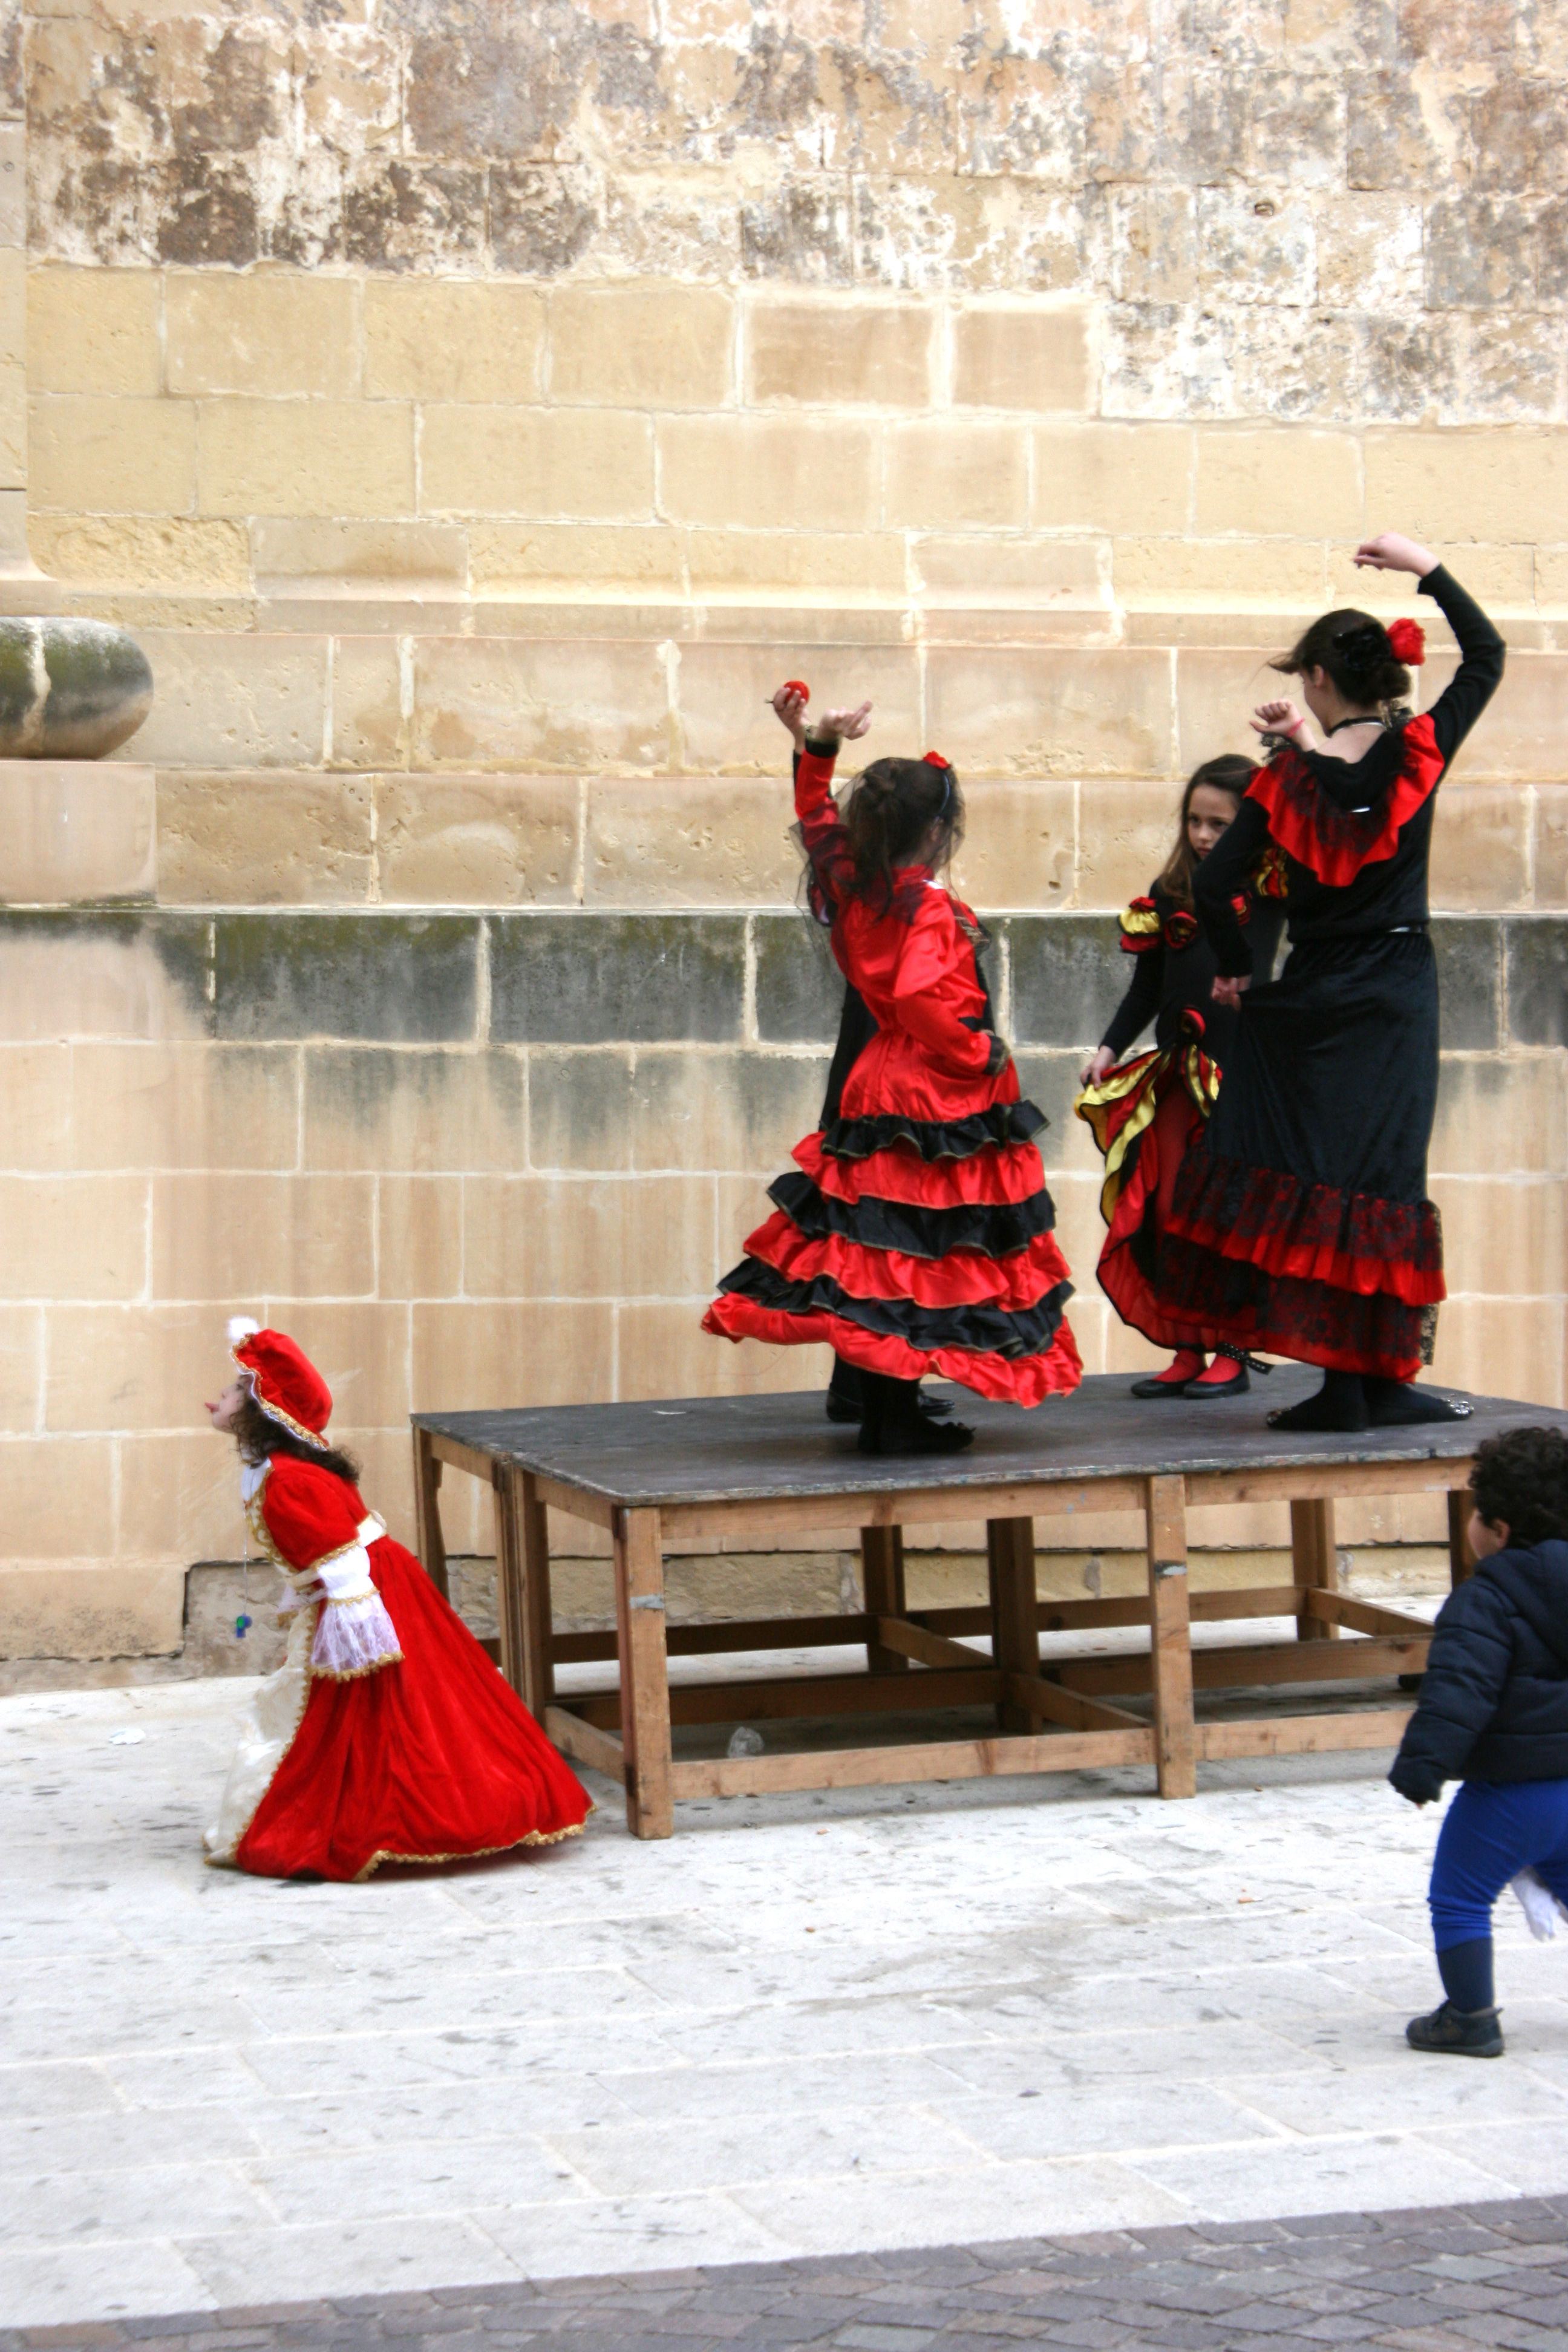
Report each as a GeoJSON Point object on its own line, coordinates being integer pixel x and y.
{"type": "Point", "coordinates": [242, 1327]}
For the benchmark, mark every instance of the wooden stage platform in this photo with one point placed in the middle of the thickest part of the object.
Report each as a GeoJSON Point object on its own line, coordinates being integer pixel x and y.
{"type": "Point", "coordinates": [660, 1476]}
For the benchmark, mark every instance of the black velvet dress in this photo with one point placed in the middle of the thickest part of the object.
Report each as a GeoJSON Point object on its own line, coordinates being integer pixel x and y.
{"type": "Point", "coordinates": [1301, 1224]}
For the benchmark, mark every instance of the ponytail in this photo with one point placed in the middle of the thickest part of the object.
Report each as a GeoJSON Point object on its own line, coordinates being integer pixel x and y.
{"type": "Point", "coordinates": [891, 809]}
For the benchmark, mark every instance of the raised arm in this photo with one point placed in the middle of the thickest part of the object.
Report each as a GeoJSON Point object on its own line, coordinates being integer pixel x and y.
{"type": "Point", "coordinates": [1481, 655]}
{"type": "Point", "coordinates": [821, 830]}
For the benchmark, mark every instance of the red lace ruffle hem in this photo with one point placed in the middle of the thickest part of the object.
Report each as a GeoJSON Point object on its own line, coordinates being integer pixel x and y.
{"type": "Point", "coordinates": [1310, 1233]}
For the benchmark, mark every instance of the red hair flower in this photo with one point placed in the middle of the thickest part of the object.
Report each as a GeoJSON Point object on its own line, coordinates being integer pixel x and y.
{"type": "Point", "coordinates": [935, 759]}
{"type": "Point", "coordinates": [1408, 639]}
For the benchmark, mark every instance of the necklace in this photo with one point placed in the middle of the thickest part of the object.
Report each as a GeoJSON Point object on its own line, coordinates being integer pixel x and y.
{"type": "Point", "coordinates": [1371, 718]}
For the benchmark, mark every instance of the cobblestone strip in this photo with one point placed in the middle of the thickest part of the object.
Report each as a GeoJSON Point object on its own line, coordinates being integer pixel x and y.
{"type": "Point", "coordinates": [1443, 2280]}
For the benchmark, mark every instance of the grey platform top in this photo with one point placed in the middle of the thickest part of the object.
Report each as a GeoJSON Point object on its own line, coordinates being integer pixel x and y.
{"type": "Point", "coordinates": [768, 1448]}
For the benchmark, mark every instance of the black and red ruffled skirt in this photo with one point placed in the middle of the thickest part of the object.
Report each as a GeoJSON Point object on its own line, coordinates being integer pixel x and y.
{"type": "Point", "coordinates": [1143, 1114]}
{"type": "Point", "coordinates": [913, 1246]}
{"type": "Point", "coordinates": [1300, 1224]}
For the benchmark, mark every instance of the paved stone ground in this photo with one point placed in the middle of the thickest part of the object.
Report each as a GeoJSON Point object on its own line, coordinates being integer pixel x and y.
{"type": "Point", "coordinates": [1431, 2280]}
{"type": "Point", "coordinates": [805, 2027]}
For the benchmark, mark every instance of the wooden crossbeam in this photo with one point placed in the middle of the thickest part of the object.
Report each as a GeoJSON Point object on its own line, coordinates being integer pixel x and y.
{"type": "Point", "coordinates": [1303, 1735]}
{"type": "Point", "coordinates": [585, 1741]}
{"type": "Point", "coordinates": [1365, 1616]}
{"type": "Point", "coordinates": [942, 1759]}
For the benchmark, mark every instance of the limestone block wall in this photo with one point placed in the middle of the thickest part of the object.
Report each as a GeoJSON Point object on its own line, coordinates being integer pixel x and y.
{"type": "Point", "coordinates": [476, 411]}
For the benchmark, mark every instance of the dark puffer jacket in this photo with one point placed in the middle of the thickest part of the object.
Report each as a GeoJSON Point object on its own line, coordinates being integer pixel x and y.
{"type": "Point", "coordinates": [1494, 1700]}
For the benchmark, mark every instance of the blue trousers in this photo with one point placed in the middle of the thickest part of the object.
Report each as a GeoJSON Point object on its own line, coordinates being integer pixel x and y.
{"type": "Point", "coordinates": [1491, 1830]}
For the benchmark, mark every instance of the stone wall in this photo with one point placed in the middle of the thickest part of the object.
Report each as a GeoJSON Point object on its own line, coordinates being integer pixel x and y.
{"type": "Point", "coordinates": [476, 410]}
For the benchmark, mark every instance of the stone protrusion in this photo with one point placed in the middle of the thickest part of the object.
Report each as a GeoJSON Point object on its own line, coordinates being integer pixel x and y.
{"type": "Point", "coordinates": [69, 689]}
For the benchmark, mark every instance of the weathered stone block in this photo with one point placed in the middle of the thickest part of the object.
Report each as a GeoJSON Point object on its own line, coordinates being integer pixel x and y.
{"type": "Point", "coordinates": [1125, 833]}
{"type": "Point", "coordinates": [662, 346]}
{"type": "Point", "coordinates": [1068, 975]}
{"type": "Point", "coordinates": [524, 558]}
{"type": "Point", "coordinates": [799, 988]}
{"type": "Point", "coordinates": [270, 335]}
{"type": "Point", "coordinates": [251, 1238]}
{"type": "Point", "coordinates": [1477, 253]}
{"type": "Point", "coordinates": [371, 728]}
{"type": "Point", "coordinates": [447, 338]}
{"type": "Point", "coordinates": [419, 1236]}
{"type": "Point", "coordinates": [1498, 1118]}
{"type": "Point", "coordinates": [1536, 949]}
{"type": "Point", "coordinates": [1494, 1230]}
{"type": "Point", "coordinates": [766, 472]}
{"type": "Point", "coordinates": [234, 701]}
{"type": "Point", "coordinates": [1049, 713]}
{"type": "Point", "coordinates": [175, 551]}
{"type": "Point", "coordinates": [1469, 955]}
{"type": "Point", "coordinates": [79, 1607]}
{"type": "Point", "coordinates": [264, 838]}
{"type": "Point", "coordinates": [1019, 847]}
{"type": "Point", "coordinates": [1490, 485]}
{"type": "Point", "coordinates": [590, 979]}
{"type": "Point", "coordinates": [142, 1105]}
{"type": "Point", "coordinates": [1369, 252]}
{"type": "Point", "coordinates": [692, 842]}
{"type": "Point", "coordinates": [37, 1079]}
{"type": "Point", "coordinates": [664, 1351]}
{"type": "Point", "coordinates": [1154, 572]}
{"type": "Point", "coordinates": [579, 1108]}
{"type": "Point", "coordinates": [581, 1237]}
{"type": "Point", "coordinates": [1113, 478]}
{"type": "Point", "coordinates": [103, 975]}
{"type": "Point", "coordinates": [21, 1370]}
{"type": "Point", "coordinates": [148, 1366]}
{"type": "Point", "coordinates": [112, 456]}
{"type": "Point", "coordinates": [1154, 245]}
{"type": "Point", "coordinates": [1013, 356]}
{"type": "Point", "coordinates": [73, 829]}
{"type": "Point", "coordinates": [1051, 1081]}
{"type": "Point", "coordinates": [295, 556]}
{"type": "Point", "coordinates": [1216, 693]}
{"type": "Point", "coordinates": [93, 331]}
{"type": "Point", "coordinates": [1549, 860]}
{"type": "Point", "coordinates": [738, 1111]}
{"type": "Point", "coordinates": [1480, 848]}
{"type": "Point", "coordinates": [478, 1358]}
{"type": "Point", "coordinates": [943, 477]}
{"type": "Point", "coordinates": [406, 979]}
{"type": "Point", "coordinates": [73, 1237]}
{"type": "Point", "coordinates": [1508, 1346]}
{"type": "Point", "coordinates": [416, 1111]}
{"type": "Point", "coordinates": [727, 725]}
{"type": "Point", "coordinates": [1256, 248]}
{"type": "Point", "coordinates": [179, 1497]}
{"type": "Point", "coordinates": [1279, 485]}
{"type": "Point", "coordinates": [862, 563]}
{"type": "Point", "coordinates": [291, 457]}
{"type": "Point", "coordinates": [478, 841]}
{"type": "Point", "coordinates": [593, 463]}
{"type": "Point", "coordinates": [871, 354]}
{"type": "Point", "coordinates": [546, 703]}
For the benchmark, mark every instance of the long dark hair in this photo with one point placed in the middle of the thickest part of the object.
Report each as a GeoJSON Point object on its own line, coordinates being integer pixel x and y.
{"type": "Point", "coordinates": [1231, 772]}
{"type": "Point", "coordinates": [891, 807]}
{"type": "Point", "coordinates": [1356, 652]}
{"type": "Point", "coordinates": [258, 1436]}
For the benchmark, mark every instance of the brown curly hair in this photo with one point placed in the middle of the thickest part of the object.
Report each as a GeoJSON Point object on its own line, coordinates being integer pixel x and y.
{"type": "Point", "coordinates": [258, 1436]}
{"type": "Point", "coordinates": [1521, 1479]}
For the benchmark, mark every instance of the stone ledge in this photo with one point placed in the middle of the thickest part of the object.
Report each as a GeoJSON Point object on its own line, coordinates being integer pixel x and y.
{"type": "Point", "coordinates": [76, 830]}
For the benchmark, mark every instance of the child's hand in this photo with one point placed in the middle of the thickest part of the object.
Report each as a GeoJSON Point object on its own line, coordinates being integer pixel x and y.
{"type": "Point", "coordinates": [844, 726]}
{"type": "Point", "coordinates": [1281, 718]}
{"type": "Point", "coordinates": [789, 704]}
{"type": "Point", "coordinates": [1094, 1069]}
{"type": "Point", "coordinates": [1392, 552]}
{"type": "Point", "coordinates": [1230, 992]}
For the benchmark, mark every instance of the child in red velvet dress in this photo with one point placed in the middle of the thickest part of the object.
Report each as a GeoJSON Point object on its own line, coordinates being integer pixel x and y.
{"type": "Point", "coordinates": [386, 1735]}
{"type": "Point", "coordinates": [915, 1236]}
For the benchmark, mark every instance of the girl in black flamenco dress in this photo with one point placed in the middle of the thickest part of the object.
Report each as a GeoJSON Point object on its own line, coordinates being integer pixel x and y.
{"type": "Point", "coordinates": [1301, 1223]}
{"type": "Point", "coordinates": [1145, 1110]}
{"type": "Point", "coordinates": [916, 1234]}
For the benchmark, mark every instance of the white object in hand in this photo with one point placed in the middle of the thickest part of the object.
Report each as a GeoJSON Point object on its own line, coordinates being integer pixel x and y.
{"type": "Point", "coordinates": [1540, 1905]}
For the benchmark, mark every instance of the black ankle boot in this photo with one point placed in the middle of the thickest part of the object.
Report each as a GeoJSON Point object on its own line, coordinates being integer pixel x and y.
{"type": "Point", "coordinates": [894, 1423]}
{"type": "Point", "coordinates": [1340, 1404]}
{"type": "Point", "coordinates": [846, 1397]}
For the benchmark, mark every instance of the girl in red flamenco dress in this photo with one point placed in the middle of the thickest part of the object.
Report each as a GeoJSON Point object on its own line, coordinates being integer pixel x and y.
{"type": "Point", "coordinates": [1144, 1111]}
{"type": "Point", "coordinates": [386, 1735]}
{"type": "Point", "coordinates": [916, 1234]}
{"type": "Point", "coordinates": [1301, 1223]}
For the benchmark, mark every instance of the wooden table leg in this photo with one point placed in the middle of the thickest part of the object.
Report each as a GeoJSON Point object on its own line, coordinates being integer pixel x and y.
{"type": "Point", "coordinates": [882, 1583]}
{"type": "Point", "coordinates": [427, 1511]}
{"type": "Point", "coordinates": [538, 1615]}
{"type": "Point", "coordinates": [508, 1573]}
{"type": "Point", "coordinates": [1170, 1638]}
{"type": "Point", "coordinates": [1461, 1563]}
{"type": "Point", "coordinates": [1314, 1561]}
{"type": "Point", "coordinates": [645, 1673]}
{"type": "Point", "coordinates": [1014, 1635]}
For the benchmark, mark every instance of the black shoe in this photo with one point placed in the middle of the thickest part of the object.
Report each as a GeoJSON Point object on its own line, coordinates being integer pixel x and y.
{"type": "Point", "coordinates": [1207, 1391]}
{"type": "Point", "coordinates": [848, 1413]}
{"type": "Point", "coordinates": [894, 1421]}
{"type": "Point", "coordinates": [1400, 1404]}
{"type": "Point", "coordinates": [1153, 1387]}
{"type": "Point", "coordinates": [1463, 2033]}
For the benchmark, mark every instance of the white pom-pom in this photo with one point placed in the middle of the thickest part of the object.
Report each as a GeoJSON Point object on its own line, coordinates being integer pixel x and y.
{"type": "Point", "coordinates": [242, 1327]}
